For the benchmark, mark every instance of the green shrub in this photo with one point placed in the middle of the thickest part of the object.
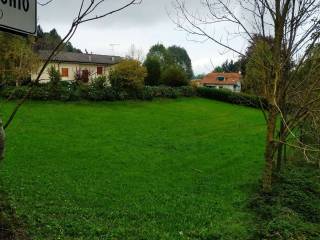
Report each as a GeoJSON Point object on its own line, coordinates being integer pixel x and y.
{"type": "Point", "coordinates": [174, 76]}
{"type": "Point", "coordinates": [99, 82]}
{"type": "Point", "coordinates": [95, 94]}
{"type": "Point", "coordinates": [43, 92]}
{"type": "Point", "coordinates": [188, 91]}
{"type": "Point", "coordinates": [14, 92]}
{"type": "Point", "coordinates": [110, 94]}
{"type": "Point", "coordinates": [147, 93]}
{"type": "Point", "coordinates": [103, 94]}
{"type": "Point", "coordinates": [54, 75]}
{"type": "Point", "coordinates": [128, 76]}
{"type": "Point", "coordinates": [232, 97]}
{"type": "Point", "coordinates": [64, 91]}
{"type": "Point", "coordinates": [171, 93]}
{"type": "Point", "coordinates": [55, 79]}
{"type": "Point", "coordinates": [69, 91]}
{"type": "Point", "coordinates": [96, 91]}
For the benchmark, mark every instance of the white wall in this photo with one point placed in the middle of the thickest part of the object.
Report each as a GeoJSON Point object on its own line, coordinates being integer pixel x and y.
{"type": "Point", "coordinates": [228, 87]}
{"type": "Point", "coordinates": [73, 67]}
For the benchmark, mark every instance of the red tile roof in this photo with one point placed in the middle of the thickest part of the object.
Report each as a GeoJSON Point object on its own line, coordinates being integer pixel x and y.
{"type": "Point", "coordinates": [229, 79]}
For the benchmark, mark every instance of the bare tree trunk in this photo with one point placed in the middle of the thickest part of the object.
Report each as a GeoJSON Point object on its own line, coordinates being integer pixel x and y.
{"type": "Point", "coordinates": [269, 150]}
{"type": "Point", "coordinates": [280, 157]}
{"type": "Point", "coordinates": [2, 141]}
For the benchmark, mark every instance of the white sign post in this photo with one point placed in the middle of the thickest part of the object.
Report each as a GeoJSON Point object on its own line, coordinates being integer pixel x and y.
{"type": "Point", "coordinates": [19, 16]}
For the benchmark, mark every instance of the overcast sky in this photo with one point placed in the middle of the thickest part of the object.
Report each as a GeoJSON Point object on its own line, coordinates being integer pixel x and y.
{"type": "Point", "coordinates": [142, 25]}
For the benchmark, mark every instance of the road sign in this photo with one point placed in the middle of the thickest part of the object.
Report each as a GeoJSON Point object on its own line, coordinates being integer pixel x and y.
{"type": "Point", "coordinates": [19, 16]}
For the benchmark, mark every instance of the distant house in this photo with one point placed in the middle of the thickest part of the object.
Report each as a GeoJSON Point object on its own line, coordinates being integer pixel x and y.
{"type": "Point", "coordinates": [77, 66]}
{"type": "Point", "coordinates": [230, 81]}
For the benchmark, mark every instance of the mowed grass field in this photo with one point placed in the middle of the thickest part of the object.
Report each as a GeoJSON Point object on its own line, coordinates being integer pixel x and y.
{"type": "Point", "coordinates": [167, 169]}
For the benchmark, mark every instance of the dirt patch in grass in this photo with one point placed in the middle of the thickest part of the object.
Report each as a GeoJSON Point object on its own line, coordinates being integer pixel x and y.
{"type": "Point", "coordinates": [11, 228]}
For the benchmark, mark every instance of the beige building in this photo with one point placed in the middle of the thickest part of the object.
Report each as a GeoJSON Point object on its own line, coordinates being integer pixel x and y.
{"type": "Point", "coordinates": [77, 66]}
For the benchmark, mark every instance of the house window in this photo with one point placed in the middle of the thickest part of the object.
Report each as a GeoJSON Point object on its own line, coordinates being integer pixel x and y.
{"type": "Point", "coordinates": [220, 78]}
{"type": "Point", "coordinates": [99, 70]}
{"type": "Point", "coordinates": [64, 72]}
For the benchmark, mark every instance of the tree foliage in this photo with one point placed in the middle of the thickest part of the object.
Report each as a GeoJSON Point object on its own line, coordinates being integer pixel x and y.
{"type": "Point", "coordinates": [218, 69]}
{"type": "Point", "coordinates": [153, 67]}
{"type": "Point", "coordinates": [174, 76]}
{"type": "Point", "coordinates": [54, 75]}
{"type": "Point", "coordinates": [49, 40]}
{"type": "Point", "coordinates": [17, 60]}
{"type": "Point", "coordinates": [160, 51]}
{"type": "Point", "coordinates": [128, 75]}
{"type": "Point", "coordinates": [252, 45]}
{"type": "Point", "coordinates": [167, 57]}
{"type": "Point", "coordinates": [180, 57]}
{"type": "Point", "coordinates": [258, 67]}
{"type": "Point", "coordinates": [229, 67]}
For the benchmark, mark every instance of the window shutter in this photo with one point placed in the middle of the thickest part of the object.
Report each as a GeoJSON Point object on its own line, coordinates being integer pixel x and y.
{"type": "Point", "coordinates": [99, 70]}
{"type": "Point", "coordinates": [65, 72]}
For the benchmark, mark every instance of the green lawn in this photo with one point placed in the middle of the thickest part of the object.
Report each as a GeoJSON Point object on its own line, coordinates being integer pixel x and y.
{"type": "Point", "coordinates": [167, 169]}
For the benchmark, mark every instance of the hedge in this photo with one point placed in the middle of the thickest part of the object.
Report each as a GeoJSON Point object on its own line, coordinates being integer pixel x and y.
{"type": "Point", "coordinates": [232, 97]}
{"type": "Point", "coordinates": [65, 91]}
{"type": "Point", "coordinates": [73, 92]}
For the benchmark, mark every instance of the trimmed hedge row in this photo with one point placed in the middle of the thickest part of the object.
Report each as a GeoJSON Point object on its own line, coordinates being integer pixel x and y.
{"type": "Point", "coordinates": [74, 92]}
{"type": "Point", "coordinates": [65, 91]}
{"type": "Point", "coordinates": [232, 97]}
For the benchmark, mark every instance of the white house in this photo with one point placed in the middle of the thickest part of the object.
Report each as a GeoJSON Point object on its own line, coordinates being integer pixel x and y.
{"type": "Point", "coordinates": [75, 66]}
{"type": "Point", "coordinates": [230, 81]}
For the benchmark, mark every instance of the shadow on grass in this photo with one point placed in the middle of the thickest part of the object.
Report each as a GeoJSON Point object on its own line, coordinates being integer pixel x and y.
{"type": "Point", "coordinates": [11, 228]}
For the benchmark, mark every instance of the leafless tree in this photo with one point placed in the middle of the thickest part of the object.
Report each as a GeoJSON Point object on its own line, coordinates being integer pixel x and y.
{"type": "Point", "coordinates": [135, 53]}
{"type": "Point", "coordinates": [294, 26]}
{"type": "Point", "coordinates": [89, 10]}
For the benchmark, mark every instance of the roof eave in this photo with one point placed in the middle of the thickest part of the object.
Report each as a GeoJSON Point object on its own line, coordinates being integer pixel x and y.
{"type": "Point", "coordinates": [92, 63]}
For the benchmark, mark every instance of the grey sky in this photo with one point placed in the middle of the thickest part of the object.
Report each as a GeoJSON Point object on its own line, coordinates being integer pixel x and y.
{"type": "Point", "coordinates": [142, 25]}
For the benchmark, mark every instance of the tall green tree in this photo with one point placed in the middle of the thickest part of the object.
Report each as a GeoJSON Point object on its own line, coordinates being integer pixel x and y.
{"type": "Point", "coordinates": [229, 67]}
{"type": "Point", "coordinates": [180, 57]}
{"type": "Point", "coordinates": [168, 57]}
{"type": "Point", "coordinates": [160, 51]}
{"type": "Point", "coordinates": [218, 69]}
{"type": "Point", "coordinates": [258, 67]}
{"type": "Point", "coordinates": [256, 40]}
{"type": "Point", "coordinates": [153, 66]}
